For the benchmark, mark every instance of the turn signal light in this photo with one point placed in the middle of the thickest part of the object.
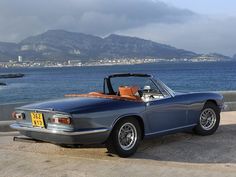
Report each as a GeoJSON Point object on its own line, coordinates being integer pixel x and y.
{"type": "Point", "coordinates": [61, 120]}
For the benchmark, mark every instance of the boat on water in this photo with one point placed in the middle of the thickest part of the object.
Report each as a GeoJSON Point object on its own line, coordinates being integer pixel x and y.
{"type": "Point", "coordinates": [11, 75]}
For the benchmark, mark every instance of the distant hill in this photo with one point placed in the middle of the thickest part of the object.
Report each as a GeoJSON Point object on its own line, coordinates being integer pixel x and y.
{"type": "Point", "coordinates": [234, 57]}
{"type": "Point", "coordinates": [64, 45]}
{"type": "Point", "coordinates": [215, 56]}
{"type": "Point", "coordinates": [123, 46]}
{"type": "Point", "coordinates": [8, 50]}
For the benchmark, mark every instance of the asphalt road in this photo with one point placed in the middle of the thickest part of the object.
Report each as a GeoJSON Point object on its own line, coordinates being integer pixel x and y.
{"type": "Point", "coordinates": [176, 155]}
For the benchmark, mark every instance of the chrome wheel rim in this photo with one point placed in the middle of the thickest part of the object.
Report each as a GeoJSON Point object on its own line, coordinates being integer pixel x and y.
{"type": "Point", "coordinates": [207, 119]}
{"type": "Point", "coordinates": [127, 136]}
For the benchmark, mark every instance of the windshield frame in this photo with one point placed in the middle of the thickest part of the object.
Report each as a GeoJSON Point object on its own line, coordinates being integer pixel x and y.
{"type": "Point", "coordinates": [158, 83]}
{"type": "Point", "coordinates": [164, 86]}
{"type": "Point", "coordinates": [107, 81]}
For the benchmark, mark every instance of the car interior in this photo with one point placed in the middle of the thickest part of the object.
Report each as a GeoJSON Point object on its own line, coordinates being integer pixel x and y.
{"type": "Point", "coordinates": [147, 91]}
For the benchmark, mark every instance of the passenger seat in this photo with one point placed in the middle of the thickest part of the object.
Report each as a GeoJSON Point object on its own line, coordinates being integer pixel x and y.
{"type": "Point", "coordinates": [129, 92]}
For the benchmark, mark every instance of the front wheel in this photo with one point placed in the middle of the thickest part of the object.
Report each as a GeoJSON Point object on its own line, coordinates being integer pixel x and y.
{"type": "Point", "coordinates": [124, 138]}
{"type": "Point", "coordinates": [209, 120]}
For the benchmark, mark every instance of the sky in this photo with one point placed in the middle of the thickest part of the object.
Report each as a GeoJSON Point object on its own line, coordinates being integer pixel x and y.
{"type": "Point", "coordinates": [202, 26]}
{"type": "Point", "coordinates": [213, 7]}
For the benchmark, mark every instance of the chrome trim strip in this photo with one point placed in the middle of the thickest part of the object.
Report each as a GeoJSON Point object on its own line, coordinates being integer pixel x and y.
{"type": "Point", "coordinates": [18, 127]}
{"type": "Point", "coordinates": [40, 110]}
{"type": "Point", "coordinates": [163, 131]}
{"type": "Point", "coordinates": [166, 88]}
{"type": "Point", "coordinates": [158, 83]}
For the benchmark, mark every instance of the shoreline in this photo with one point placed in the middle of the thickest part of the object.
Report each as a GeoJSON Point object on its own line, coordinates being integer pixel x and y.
{"type": "Point", "coordinates": [118, 64]}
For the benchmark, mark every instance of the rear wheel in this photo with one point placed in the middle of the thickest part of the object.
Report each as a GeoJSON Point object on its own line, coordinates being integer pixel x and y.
{"type": "Point", "coordinates": [124, 138]}
{"type": "Point", "coordinates": [209, 120]}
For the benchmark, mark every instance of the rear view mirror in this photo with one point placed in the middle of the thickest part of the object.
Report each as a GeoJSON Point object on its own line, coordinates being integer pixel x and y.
{"type": "Point", "coordinates": [146, 87]}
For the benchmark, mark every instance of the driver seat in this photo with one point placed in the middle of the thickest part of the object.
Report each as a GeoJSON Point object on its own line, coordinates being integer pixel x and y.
{"type": "Point", "coordinates": [130, 92]}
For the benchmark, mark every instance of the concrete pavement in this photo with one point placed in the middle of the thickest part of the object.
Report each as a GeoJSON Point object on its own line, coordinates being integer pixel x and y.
{"type": "Point", "coordinates": [176, 155]}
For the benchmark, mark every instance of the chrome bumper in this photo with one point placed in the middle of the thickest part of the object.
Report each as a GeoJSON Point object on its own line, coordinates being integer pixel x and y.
{"type": "Point", "coordinates": [18, 127]}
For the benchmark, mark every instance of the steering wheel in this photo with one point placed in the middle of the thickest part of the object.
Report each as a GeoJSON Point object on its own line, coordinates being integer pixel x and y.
{"type": "Point", "coordinates": [140, 92]}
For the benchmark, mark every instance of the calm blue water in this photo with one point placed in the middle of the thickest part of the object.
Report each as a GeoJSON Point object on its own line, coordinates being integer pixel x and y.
{"type": "Point", "coordinates": [46, 83]}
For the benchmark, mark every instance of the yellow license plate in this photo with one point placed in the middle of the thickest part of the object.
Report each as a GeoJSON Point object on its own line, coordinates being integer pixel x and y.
{"type": "Point", "coordinates": [37, 119]}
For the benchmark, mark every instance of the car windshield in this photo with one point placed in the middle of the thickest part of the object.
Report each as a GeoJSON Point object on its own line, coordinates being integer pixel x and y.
{"type": "Point", "coordinates": [141, 82]}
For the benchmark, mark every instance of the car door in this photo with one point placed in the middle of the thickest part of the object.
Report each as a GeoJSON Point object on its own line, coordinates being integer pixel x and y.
{"type": "Point", "coordinates": [165, 114]}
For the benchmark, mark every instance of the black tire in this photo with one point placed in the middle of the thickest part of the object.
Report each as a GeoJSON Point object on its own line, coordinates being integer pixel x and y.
{"type": "Point", "coordinates": [113, 143]}
{"type": "Point", "coordinates": [200, 129]}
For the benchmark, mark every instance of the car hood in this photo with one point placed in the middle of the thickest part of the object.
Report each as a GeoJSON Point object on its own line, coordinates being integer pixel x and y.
{"type": "Point", "coordinates": [81, 104]}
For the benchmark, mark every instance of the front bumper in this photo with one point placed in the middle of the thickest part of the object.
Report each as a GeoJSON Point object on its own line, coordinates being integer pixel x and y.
{"type": "Point", "coordinates": [62, 136]}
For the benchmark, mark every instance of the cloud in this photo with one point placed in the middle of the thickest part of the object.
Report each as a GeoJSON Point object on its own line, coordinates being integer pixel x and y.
{"type": "Point", "coordinates": [19, 19]}
{"type": "Point", "coordinates": [201, 35]}
{"type": "Point", "coordinates": [150, 19]}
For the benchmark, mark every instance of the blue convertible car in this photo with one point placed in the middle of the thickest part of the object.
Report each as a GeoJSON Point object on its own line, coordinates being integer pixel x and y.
{"type": "Point", "coordinates": [130, 107]}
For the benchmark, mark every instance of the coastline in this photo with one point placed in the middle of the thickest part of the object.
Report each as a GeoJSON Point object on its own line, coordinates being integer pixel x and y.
{"type": "Point", "coordinates": [97, 64]}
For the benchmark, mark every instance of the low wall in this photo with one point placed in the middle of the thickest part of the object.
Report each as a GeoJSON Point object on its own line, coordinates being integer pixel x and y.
{"type": "Point", "coordinates": [7, 109]}
{"type": "Point", "coordinates": [229, 96]}
{"type": "Point", "coordinates": [229, 99]}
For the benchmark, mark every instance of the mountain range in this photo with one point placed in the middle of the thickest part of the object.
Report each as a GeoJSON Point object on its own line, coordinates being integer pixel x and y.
{"type": "Point", "coordinates": [63, 45]}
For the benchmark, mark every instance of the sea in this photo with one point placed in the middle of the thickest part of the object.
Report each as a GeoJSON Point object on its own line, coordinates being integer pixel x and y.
{"type": "Point", "coordinates": [50, 83]}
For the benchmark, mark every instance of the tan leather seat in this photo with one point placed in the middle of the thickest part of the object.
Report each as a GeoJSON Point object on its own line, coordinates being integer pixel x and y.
{"type": "Point", "coordinates": [126, 93]}
{"type": "Point", "coordinates": [96, 93]}
{"type": "Point", "coordinates": [129, 92]}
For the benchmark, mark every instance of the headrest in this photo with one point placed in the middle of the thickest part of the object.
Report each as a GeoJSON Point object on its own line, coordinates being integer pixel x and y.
{"type": "Point", "coordinates": [128, 90]}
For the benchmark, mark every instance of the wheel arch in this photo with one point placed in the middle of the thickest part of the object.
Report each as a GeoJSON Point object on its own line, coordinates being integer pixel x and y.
{"type": "Point", "coordinates": [213, 102]}
{"type": "Point", "coordinates": [134, 116]}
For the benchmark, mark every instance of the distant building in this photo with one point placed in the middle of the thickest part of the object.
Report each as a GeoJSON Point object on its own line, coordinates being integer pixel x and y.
{"type": "Point", "coordinates": [74, 62]}
{"type": "Point", "coordinates": [20, 59]}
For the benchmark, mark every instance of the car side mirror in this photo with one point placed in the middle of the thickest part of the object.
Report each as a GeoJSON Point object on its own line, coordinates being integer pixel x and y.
{"type": "Point", "coordinates": [146, 87]}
